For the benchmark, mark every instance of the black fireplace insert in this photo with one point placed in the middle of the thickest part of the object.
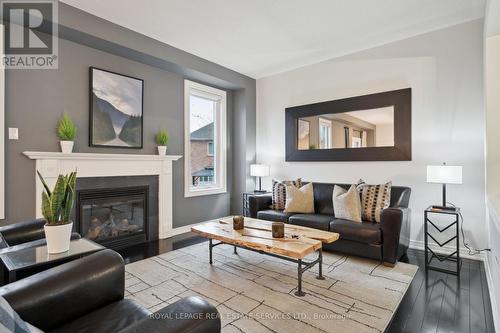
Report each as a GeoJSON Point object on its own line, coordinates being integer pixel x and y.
{"type": "Point", "coordinates": [113, 217]}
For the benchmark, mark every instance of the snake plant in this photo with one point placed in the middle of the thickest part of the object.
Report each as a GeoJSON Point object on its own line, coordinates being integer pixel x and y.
{"type": "Point", "coordinates": [58, 203]}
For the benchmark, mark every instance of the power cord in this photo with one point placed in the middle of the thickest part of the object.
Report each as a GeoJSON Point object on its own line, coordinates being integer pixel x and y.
{"type": "Point", "coordinates": [472, 251]}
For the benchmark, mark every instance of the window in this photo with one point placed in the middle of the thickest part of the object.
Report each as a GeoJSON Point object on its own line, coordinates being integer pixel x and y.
{"type": "Point", "coordinates": [205, 140]}
{"type": "Point", "coordinates": [325, 134]}
{"type": "Point", "coordinates": [210, 149]}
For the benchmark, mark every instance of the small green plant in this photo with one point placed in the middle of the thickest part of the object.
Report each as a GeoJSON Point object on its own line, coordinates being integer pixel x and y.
{"type": "Point", "coordinates": [312, 146]}
{"type": "Point", "coordinates": [162, 138]}
{"type": "Point", "coordinates": [58, 203]}
{"type": "Point", "coordinates": [66, 129]}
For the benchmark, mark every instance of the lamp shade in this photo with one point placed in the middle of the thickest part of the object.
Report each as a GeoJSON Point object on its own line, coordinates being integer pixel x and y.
{"type": "Point", "coordinates": [444, 174]}
{"type": "Point", "coordinates": [259, 170]}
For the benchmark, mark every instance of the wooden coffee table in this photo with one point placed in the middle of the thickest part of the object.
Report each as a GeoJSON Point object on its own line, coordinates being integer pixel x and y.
{"type": "Point", "coordinates": [256, 236]}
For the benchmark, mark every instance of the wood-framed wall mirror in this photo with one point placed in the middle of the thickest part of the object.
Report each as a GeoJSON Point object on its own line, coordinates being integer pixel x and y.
{"type": "Point", "coordinates": [374, 127]}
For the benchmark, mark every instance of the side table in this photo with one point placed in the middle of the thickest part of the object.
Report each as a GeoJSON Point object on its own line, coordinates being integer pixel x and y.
{"type": "Point", "coordinates": [429, 253]}
{"type": "Point", "coordinates": [25, 262]}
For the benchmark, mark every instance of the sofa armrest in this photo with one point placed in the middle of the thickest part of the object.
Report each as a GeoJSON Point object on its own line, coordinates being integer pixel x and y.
{"type": "Point", "coordinates": [61, 294]}
{"type": "Point", "coordinates": [395, 232]}
{"type": "Point", "coordinates": [259, 202]}
{"type": "Point", "coordinates": [23, 232]}
{"type": "Point", "coordinates": [191, 314]}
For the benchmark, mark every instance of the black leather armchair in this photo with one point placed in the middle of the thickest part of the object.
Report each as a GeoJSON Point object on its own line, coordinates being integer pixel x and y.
{"type": "Point", "coordinates": [24, 234]}
{"type": "Point", "coordinates": [87, 295]}
{"type": "Point", "coordinates": [386, 241]}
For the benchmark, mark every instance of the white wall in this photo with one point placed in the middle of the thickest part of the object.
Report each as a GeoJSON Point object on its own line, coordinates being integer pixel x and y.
{"type": "Point", "coordinates": [492, 87]}
{"type": "Point", "coordinates": [444, 70]}
{"type": "Point", "coordinates": [384, 135]}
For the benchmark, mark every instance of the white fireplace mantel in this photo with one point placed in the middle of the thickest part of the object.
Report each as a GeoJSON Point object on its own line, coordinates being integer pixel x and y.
{"type": "Point", "coordinates": [52, 164]}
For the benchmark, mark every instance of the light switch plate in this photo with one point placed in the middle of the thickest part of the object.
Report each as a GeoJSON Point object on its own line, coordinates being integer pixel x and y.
{"type": "Point", "coordinates": [13, 133]}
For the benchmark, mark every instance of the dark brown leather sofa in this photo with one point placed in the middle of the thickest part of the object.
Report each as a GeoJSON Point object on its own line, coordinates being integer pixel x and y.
{"type": "Point", "coordinates": [386, 241]}
{"type": "Point", "coordinates": [87, 295]}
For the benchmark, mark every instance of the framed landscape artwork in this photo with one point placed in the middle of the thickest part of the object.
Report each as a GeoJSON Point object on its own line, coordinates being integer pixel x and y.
{"type": "Point", "coordinates": [116, 110]}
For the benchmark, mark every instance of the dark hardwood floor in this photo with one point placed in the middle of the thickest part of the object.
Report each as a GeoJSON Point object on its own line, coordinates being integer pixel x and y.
{"type": "Point", "coordinates": [436, 302]}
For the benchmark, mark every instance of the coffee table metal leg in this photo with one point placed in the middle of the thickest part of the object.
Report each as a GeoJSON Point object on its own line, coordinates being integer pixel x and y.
{"type": "Point", "coordinates": [235, 251]}
{"type": "Point", "coordinates": [299, 291]}
{"type": "Point", "coordinates": [320, 263]}
{"type": "Point", "coordinates": [210, 250]}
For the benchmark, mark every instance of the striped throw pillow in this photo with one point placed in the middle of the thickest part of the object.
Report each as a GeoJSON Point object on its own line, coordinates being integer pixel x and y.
{"type": "Point", "coordinates": [279, 192]}
{"type": "Point", "coordinates": [374, 199]}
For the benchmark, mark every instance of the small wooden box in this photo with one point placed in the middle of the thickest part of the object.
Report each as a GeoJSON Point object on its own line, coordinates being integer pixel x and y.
{"type": "Point", "coordinates": [278, 230]}
{"type": "Point", "coordinates": [238, 222]}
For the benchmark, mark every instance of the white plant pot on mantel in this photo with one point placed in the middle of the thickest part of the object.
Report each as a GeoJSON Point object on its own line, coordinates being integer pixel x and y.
{"type": "Point", "coordinates": [66, 146]}
{"type": "Point", "coordinates": [162, 150]}
{"type": "Point", "coordinates": [58, 237]}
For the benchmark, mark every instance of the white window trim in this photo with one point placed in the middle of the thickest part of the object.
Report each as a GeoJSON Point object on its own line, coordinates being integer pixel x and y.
{"type": "Point", "coordinates": [2, 134]}
{"type": "Point", "coordinates": [220, 133]}
{"type": "Point", "coordinates": [208, 148]}
{"type": "Point", "coordinates": [328, 123]}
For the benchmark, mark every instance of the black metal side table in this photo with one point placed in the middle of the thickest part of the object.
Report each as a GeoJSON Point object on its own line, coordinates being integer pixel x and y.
{"type": "Point", "coordinates": [246, 206]}
{"type": "Point", "coordinates": [429, 253]}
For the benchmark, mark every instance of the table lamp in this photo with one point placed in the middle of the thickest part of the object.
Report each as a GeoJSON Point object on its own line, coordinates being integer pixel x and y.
{"type": "Point", "coordinates": [259, 170]}
{"type": "Point", "coordinates": [444, 174]}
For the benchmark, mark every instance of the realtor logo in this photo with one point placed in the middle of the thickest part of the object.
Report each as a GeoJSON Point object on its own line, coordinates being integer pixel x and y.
{"type": "Point", "coordinates": [30, 34]}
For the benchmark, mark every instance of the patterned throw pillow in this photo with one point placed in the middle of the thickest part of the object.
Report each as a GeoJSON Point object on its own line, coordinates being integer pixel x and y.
{"type": "Point", "coordinates": [346, 203]}
{"type": "Point", "coordinates": [11, 322]}
{"type": "Point", "coordinates": [374, 199]}
{"type": "Point", "coordinates": [300, 200]}
{"type": "Point", "coordinates": [279, 192]}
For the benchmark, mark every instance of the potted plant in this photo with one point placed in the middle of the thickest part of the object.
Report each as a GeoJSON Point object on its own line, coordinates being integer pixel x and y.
{"type": "Point", "coordinates": [57, 205]}
{"type": "Point", "coordinates": [66, 131]}
{"type": "Point", "coordinates": [162, 141]}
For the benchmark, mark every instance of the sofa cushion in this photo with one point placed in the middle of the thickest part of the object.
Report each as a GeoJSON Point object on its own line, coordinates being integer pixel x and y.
{"type": "Point", "coordinates": [111, 318]}
{"type": "Point", "coordinates": [274, 215]}
{"type": "Point", "coordinates": [316, 221]}
{"type": "Point", "coordinates": [365, 232]}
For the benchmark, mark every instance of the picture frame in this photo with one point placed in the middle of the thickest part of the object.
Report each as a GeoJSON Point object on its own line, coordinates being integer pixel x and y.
{"type": "Point", "coordinates": [116, 115]}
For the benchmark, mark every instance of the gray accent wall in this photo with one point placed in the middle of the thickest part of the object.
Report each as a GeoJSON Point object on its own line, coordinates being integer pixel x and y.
{"type": "Point", "coordinates": [35, 99]}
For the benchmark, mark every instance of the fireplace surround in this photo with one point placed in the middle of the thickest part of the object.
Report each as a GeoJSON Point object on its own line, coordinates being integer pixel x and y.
{"type": "Point", "coordinates": [97, 165]}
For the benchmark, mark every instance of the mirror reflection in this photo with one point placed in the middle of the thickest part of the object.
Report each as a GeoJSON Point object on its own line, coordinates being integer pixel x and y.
{"type": "Point", "coordinates": [355, 129]}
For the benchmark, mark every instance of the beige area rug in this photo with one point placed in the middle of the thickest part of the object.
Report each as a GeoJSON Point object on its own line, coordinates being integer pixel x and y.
{"type": "Point", "coordinates": [254, 292]}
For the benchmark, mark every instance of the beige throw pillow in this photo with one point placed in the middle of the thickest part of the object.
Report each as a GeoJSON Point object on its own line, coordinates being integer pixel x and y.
{"type": "Point", "coordinates": [346, 203]}
{"type": "Point", "coordinates": [279, 192]}
{"type": "Point", "coordinates": [300, 200]}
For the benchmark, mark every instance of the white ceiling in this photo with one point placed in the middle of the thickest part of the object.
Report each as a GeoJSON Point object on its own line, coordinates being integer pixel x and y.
{"type": "Point", "coordinates": [264, 37]}
{"type": "Point", "coordinates": [381, 116]}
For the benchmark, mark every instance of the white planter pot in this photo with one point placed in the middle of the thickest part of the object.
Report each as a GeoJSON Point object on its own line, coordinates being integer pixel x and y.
{"type": "Point", "coordinates": [58, 237]}
{"type": "Point", "coordinates": [162, 150]}
{"type": "Point", "coordinates": [66, 146]}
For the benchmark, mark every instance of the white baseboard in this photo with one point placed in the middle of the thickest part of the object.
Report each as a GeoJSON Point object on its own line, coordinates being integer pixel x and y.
{"type": "Point", "coordinates": [447, 249]}
{"type": "Point", "coordinates": [182, 230]}
{"type": "Point", "coordinates": [491, 291]}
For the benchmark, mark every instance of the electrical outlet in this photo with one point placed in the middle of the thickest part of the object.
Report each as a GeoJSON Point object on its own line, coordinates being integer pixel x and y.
{"type": "Point", "coordinates": [13, 133]}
